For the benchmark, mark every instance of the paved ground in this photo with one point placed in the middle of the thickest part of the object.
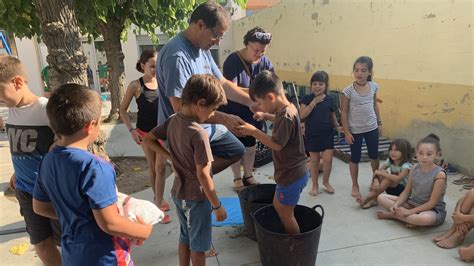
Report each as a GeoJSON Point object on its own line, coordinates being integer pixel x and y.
{"type": "Point", "coordinates": [349, 235]}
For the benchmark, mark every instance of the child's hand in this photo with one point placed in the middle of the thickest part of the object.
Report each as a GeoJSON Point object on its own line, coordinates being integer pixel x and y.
{"type": "Point", "coordinates": [246, 129]}
{"type": "Point", "coordinates": [148, 229]}
{"type": "Point", "coordinates": [255, 108]}
{"type": "Point", "coordinates": [220, 214]}
{"type": "Point", "coordinates": [136, 137]}
{"type": "Point", "coordinates": [459, 218]}
{"type": "Point", "coordinates": [402, 212]}
{"type": "Point", "coordinates": [340, 129]}
{"type": "Point", "coordinates": [463, 228]}
{"type": "Point", "coordinates": [319, 98]}
{"type": "Point", "coordinates": [393, 208]}
{"type": "Point", "coordinates": [259, 116]}
{"type": "Point", "coordinates": [349, 138]}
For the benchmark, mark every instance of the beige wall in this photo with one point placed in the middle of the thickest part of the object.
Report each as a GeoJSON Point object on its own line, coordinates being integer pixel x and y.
{"type": "Point", "coordinates": [422, 51]}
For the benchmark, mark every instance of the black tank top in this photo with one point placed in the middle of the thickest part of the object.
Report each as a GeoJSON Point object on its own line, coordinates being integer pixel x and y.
{"type": "Point", "coordinates": [147, 104]}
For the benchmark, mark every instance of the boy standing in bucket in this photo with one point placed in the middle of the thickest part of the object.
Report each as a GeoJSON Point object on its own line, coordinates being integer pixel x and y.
{"type": "Point", "coordinates": [286, 142]}
{"type": "Point", "coordinates": [190, 151]}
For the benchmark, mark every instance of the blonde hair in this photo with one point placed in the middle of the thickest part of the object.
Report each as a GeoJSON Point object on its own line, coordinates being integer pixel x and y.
{"type": "Point", "coordinates": [10, 67]}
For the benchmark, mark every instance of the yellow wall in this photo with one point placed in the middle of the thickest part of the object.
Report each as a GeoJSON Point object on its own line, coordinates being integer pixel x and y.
{"type": "Point", "coordinates": [422, 52]}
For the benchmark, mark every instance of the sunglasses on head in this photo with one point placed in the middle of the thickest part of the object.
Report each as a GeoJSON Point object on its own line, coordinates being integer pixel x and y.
{"type": "Point", "coordinates": [262, 35]}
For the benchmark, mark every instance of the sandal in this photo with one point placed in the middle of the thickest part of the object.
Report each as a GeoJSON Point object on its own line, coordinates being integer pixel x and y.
{"type": "Point", "coordinates": [464, 180]}
{"type": "Point", "coordinates": [165, 206]}
{"type": "Point", "coordinates": [248, 183]}
{"type": "Point", "coordinates": [237, 188]}
{"type": "Point", "coordinates": [166, 219]}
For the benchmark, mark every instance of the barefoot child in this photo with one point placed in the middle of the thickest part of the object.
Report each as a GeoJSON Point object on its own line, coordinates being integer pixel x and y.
{"type": "Point", "coordinates": [360, 118]}
{"type": "Point", "coordinates": [317, 111]}
{"type": "Point", "coordinates": [286, 143]}
{"type": "Point", "coordinates": [78, 188]}
{"type": "Point", "coordinates": [463, 218]}
{"type": "Point", "coordinates": [421, 202]}
{"type": "Point", "coordinates": [393, 174]}
{"type": "Point", "coordinates": [193, 190]}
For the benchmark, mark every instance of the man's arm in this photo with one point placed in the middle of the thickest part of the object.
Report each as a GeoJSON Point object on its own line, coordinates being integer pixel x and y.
{"type": "Point", "coordinates": [236, 93]}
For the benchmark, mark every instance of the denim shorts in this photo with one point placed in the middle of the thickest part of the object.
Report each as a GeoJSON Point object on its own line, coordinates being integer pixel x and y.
{"type": "Point", "coordinates": [194, 223]}
{"type": "Point", "coordinates": [290, 195]}
{"type": "Point", "coordinates": [227, 146]}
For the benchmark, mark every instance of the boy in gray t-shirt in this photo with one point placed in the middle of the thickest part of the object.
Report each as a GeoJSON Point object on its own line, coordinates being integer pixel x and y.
{"type": "Point", "coordinates": [193, 190]}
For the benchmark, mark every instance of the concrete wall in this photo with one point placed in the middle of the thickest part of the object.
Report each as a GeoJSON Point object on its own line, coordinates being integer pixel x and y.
{"type": "Point", "coordinates": [422, 51]}
{"type": "Point", "coordinates": [29, 57]}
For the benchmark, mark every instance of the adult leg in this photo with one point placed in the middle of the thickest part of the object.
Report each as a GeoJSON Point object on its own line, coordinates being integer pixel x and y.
{"type": "Point", "coordinates": [248, 161]}
{"type": "Point", "coordinates": [227, 150]}
{"type": "Point", "coordinates": [287, 216]}
{"type": "Point", "coordinates": [314, 156]}
{"type": "Point", "coordinates": [238, 183]}
{"type": "Point", "coordinates": [354, 164]}
{"type": "Point", "coordinates": [184, 254]}
{"type": "Point", "coordinates": [327, 167]}
{"type": "Point", "coordinates": [156, 172]}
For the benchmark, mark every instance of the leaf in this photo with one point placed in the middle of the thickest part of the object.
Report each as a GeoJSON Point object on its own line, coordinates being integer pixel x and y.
{"type": "Point", "coordinates": [154, 4]}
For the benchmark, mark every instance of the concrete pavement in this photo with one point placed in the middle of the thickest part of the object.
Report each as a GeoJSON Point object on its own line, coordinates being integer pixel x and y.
{"type": "Point", "coordinates": [349, 235]}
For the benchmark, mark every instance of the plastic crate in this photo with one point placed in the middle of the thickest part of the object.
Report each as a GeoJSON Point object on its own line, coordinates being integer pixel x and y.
{"type": "Point", "coordinates": [263, 155]}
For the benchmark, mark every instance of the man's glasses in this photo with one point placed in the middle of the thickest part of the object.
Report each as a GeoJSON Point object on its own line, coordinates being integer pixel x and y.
{"type": "Point", "coordinates": [263, 36]}
{"type": "Point", "coordinates": [215, 35]}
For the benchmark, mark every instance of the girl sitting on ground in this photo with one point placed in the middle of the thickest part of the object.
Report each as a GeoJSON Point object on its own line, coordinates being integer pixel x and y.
{"type": "Point", "coordinates": [463, 218]}
{"type": "Point", "coordinates": [393, 174]}
{"type": "Point", "coordinates": [421, 202]}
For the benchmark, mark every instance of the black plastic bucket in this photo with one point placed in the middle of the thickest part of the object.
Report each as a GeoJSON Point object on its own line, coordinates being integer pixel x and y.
{"type": "Point", "coordinates": [251, 199]}
{"type": "Point", "coordinates": [279, 248]}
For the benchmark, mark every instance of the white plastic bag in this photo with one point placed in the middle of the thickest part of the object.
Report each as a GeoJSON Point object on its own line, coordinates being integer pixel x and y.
{"type": "Point", "coordinates": [145, 209]}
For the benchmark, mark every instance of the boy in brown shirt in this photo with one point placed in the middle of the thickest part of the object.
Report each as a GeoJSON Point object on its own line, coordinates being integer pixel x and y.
{"type": "Point", "coordinates": [193, 190]}
{"type": "Point", "coordinates": [286, 142]}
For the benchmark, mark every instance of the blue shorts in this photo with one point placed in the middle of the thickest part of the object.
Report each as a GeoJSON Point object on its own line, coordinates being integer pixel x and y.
{"type": "Point", "coordinates": [194, 223]}
{"type": "Point", "coordinates": [227, 146]}
{"type": "Point", "coordinates": [290, 195]}
{"type": "Point", "coordinates": [372, 142]}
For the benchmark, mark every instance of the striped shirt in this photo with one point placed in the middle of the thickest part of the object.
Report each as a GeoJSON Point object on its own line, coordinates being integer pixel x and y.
{"type": "Point", "coordinates": [362, 117]}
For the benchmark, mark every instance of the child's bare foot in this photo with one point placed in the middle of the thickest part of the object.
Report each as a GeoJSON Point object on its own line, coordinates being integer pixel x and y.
{"type": "Point", "coordinates": [384, 215]}
{"type": "Point", "coordinates": [466, 253]}
{"type": "Point", "coordinates": [369, 204]}
{"type": "Point", "coordinates": [355, 191]}
{"type": "Point", "coordinates": [444, 235]}
{"type": "Point", "coordinates": [410, 225]}
{"type": "Point", "coordinates": [452, 241]}
{"type": "Point", "coordinates": [329, 189]}
{"type": "Point", "coordinates": [360, 200]}
{"type": "Point", "coordinates": [211, 253]}
{"type": "Point", "coordinates": [314, 191]}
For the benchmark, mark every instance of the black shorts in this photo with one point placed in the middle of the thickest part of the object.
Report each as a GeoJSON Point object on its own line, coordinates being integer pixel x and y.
{"type": "Point", "coordinates": [395, 191]}
{"type": "Point", "coordinates": [39, 228]}
{"type": "Point", "coordinates": [319, 143]}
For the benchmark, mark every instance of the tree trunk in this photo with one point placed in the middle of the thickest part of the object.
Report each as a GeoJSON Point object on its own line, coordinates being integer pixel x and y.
{"type": "Point", "coordinates": [111, 32]}
{"type": "Point", "coordinates": [62, 37]}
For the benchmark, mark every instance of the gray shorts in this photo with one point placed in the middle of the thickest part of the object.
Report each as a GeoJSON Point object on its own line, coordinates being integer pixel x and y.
{"type": "Point", "coordinates": [440, 212]}
{"type": "Point", "coordinates": [39, 228]}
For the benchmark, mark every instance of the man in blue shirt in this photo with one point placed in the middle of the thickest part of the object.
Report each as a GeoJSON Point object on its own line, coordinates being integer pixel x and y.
{"type": "Point", "coordinates": [188, 54]}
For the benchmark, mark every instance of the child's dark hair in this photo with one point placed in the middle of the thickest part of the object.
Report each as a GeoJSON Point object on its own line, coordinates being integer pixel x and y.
{"type": "Point", "coordinates": [264, 83]}
{"type": "Point", "coordinates": [321, 76]}
{"type": "Point", "coordinates": [368, 61]}
{"type": "Point", "coordinates": [431, 139]}
{"type": "Point", "coordinates": [144, 57]}
{"type": "Point", "coordinates": [204, 86]}
{"type": "Point", "coordinates": [404, 147]}
{"type": "Point", "coordinates": [257, 34]}
{"type": "Point", "coordinates": [71, 107]}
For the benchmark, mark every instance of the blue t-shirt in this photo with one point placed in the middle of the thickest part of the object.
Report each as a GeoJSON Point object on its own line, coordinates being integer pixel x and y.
{"type": "Point", "coordinates": [76, 182]}
{"type": "Point", "coordinates": [177, 61]}
{"type": "Point", "coordinates": [235, 71]}
{"type": "Point", "coordinates": [319, 121]}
